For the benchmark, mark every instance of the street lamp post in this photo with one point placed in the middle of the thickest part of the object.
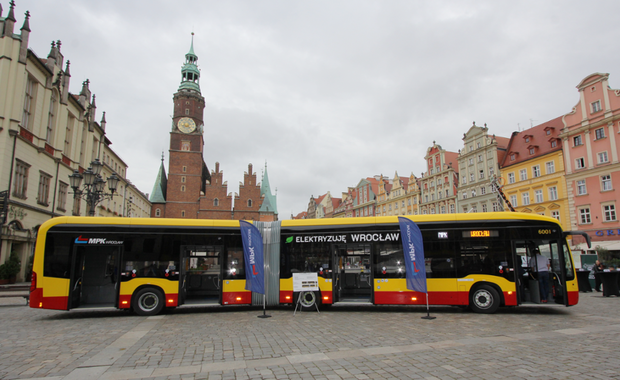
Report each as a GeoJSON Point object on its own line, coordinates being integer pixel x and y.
{"type": "Point", "coordinates": [93, 190]}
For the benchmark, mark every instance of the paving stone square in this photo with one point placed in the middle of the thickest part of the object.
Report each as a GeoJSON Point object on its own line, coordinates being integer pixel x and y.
{"type": "Point", "coordinates": [546, 342]}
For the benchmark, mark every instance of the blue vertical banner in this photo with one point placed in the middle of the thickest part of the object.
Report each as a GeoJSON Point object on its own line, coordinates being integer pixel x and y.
{"type": "Point", "coordinates": [413, 248]}
{"type": "Point", "coordinates": [253, 257]}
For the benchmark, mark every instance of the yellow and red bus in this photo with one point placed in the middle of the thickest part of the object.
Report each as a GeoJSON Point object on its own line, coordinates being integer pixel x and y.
{"type": "Point", "coordinates": [478, 260]}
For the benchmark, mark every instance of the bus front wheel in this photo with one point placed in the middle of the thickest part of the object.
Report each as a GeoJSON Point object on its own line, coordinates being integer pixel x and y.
{"type": "Point", "coordinates": [484, 299]}
{"type": "Point", "coordinates": [148, 301]}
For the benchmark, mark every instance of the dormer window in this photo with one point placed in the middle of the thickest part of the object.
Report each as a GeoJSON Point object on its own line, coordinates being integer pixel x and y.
{"type": "Point", "coordinates": [532, 151]}
{"type": "Point", "coordinates": [513, 157]}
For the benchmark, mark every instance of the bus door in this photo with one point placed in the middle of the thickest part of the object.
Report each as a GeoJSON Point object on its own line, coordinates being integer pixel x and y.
{"type": "Point", "coordinates": [530, 288]}
{"type": "Point", "coordinates": [94, 276]}
{"type": "Point", "coordinates": [200, 279]}
{"type": "Point", "coordinates": [352, 274]}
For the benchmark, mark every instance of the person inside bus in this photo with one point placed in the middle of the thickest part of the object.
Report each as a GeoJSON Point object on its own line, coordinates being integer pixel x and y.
{"type": "Point", "coordinates": [540, 264]}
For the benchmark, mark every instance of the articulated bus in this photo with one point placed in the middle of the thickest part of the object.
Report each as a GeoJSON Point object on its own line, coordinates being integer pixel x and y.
{"type": "Point", "coordinates": [477, 260]}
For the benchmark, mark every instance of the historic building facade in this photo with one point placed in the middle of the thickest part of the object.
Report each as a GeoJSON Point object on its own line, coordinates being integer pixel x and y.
{"type": "Point", "coordinates": [533, 172]}
{"type": "Point", "coordinates": [438, 185]}
{"type": "Point", "coordinates": [392, 196]}
{"type": "Point", "coordinates": [478, 162]}
{"type": "Point", "coordinates": [47, 133]}
{"type": "Point", "coordinates": [590, 137]}
{"type": "Point", "coordinates": [189, 190]}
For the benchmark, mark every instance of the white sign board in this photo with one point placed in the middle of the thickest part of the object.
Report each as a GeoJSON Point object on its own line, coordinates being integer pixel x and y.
{"type": "Point", "coordinates": [305, 282]}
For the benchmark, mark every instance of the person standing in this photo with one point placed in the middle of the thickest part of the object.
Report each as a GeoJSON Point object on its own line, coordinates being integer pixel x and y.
{"type": "Point", "coordinates": [540, 264]}
{"type": "Point", "coordinates": [596, 269]}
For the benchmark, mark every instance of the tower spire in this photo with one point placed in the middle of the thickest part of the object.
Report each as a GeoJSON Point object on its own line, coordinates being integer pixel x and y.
{"type": "Point", "coordinates": [190, 74]}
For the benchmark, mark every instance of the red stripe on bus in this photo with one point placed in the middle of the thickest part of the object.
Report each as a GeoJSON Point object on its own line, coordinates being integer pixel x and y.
{"type": "Point", "coordinates": [172, 300]}
{"type": "Point", "coordinates": [55, 303]}
{"type": "Point", "coordinates": [36, 298]}
{"type": "Point", "coordinates": [573, 298]}
{"type": "Point", "coordinates": [417, 298]}
{"type": "Point", "coordinates": [124, 301]}
{"type": "Point", "coordinates": [510, 299]}
{"type": "Point", "coordinates": [284, 294]}
{"type": "Point", "coordinates": [232, 298]}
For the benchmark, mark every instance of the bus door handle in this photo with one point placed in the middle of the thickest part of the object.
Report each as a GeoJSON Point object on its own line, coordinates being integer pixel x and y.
{"type": "Point", "coordinates": [77, 282]}
{"type": "Point", "coordinates": [557, 278]}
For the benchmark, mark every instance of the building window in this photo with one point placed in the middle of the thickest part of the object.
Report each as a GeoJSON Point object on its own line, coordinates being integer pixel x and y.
{"type": "Point", "coordinates": [596, 106]}
{"type": "Point", "coordinates": [495, 206]}
{"type": "Point", "coordinates": [464, 180]}
{"type": "Point", "coordinates": [62, 196]}
{"type": "Point", "coordinates": [523, 174]}
{"type": "Point", "coordinates": [532, 151]}
{"type": "Point", "coordinates": [599, 133]}
{"type": "Point", "coordinates": [77, 205]}
{"type": "Point", "coordinates": [550, 167]}
{"type": "Point", "coordinates": [609, 213]}
{"type": "Point", "coordinates": [481, 174]}
{"type": "Point", "coordinates": [478, 145]}
{"type": "Point", "coordinates": [513, 200]}
{"type": "Point", "coordinates": [443, 209]}
{"type": "Point", "coordinates": [464, 194]}
{"type": "Point", "coordinates": [491, 172]}
{"type": "Point", "coordinates": [69, 135]}
{"type": "Point", "coordinates": [480, 159]}
{"type": "Point", "coordinates": [581, 187]}
{"type": "Point", "coordinates": [511, 177]}
{"type": "Point", "coordinates": [249, 203]}
{"type": "Point", "coordinates": [182, 179]}
{"type": "Point", "coordinates": [553, 193]}
{"type": "Point", "coordinates": [21, 179]}
{"type": "Point", "coordinates": [44, 189]}
{"type": "Point", "coordinates": [184, 169]}
{"type": "Point", "coordinates": [584, 215]}
{"type": "Point", "coordinates": [484, 207]}
{"type": "Point", "coordinates": [483, 190]}
{"type": "Point", "coordinates": [536, 171]}
{"type": "Point", "coordinates": [602, 157]}
{"type": "Point", "coordinates": [513, 157]}
{"type": "Point", "coordinates": [29, 105]}
{"type": "Point", "coordinates": [580, 163]}
{"type": "Point", "coordinates": [539, 196]}
{"type": "Point", "coordinates": [473, 192]}
{"type": "Point", "coordinates": [51, 120]}
{"type": "Point", "coordinates": [216, 202]}
{"type": "Point", "coordinates": [554, 143]}
{"type": "Point", "coordinates": [183, 188]}
{"type": "Point", "coordinates": [525, 197]}
{"type": "Point", "coordinates": [182, 213]}
{"type": "Point", "coordinates": [452, 209]}
{"type": "Point", "coordinates": [577, 140]}
{"type": "Point", "coordinates": [555, 214]}
{"type": "Point", "coordinates": [158, 212]}
{"type": "Point", "coordinates": [474, 208]}
{"type": "Point", "coordinates": [606, 182]}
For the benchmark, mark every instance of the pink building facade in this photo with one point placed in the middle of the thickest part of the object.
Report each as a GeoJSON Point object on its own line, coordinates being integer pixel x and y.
{"type": "Point", "coordinates": [590, 139]}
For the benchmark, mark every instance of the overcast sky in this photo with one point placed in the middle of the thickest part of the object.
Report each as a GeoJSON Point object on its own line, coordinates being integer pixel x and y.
{"type": "Point", "coordinates": [326, 92]}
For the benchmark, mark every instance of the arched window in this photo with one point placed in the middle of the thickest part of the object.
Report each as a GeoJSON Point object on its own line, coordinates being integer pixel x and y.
{"type": "Point", "coordinates": [158, 212]}
{"type": "Point", "coordinates": [249, 203]}
{"type": "Point", "coordinates": [216, 202]}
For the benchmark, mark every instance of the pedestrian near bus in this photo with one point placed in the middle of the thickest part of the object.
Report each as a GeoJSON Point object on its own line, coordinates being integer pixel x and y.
{"type": "Point", "coordinates": [596, 269]}
{"type": "Point", "coordinates": [540, 264]}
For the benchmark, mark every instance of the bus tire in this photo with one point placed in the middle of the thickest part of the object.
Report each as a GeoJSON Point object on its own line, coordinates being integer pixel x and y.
{"type": "Point", "coordinates": [309, 300]}
{"type": "Point", "coordinates": [484, 299]}
{"type": "Point", "coordinates": [148, 301]}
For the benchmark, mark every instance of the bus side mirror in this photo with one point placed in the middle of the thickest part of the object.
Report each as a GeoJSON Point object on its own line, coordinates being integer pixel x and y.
{"type": "Point", "coordinates": [585, 235]}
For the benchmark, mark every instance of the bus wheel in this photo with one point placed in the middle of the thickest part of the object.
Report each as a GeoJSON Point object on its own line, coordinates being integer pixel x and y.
{"type": "Point", "coordinates": [148, 301]}
{"type": "Point", "coordinates": [484, 299]}
{"type": "Point", "coordinates": [308, 300]}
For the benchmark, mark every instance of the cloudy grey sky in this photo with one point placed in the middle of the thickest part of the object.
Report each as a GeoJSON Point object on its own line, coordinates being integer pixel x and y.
{"type": "Point", "coordinates": [326, 92]}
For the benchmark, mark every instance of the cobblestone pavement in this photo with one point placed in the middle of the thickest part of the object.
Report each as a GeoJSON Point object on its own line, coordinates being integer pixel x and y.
{"type": "Point", "coordinates": [342, 343]}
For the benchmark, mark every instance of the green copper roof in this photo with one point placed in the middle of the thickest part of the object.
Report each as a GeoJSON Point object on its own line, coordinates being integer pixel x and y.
{"type": "Point", "coordinates": [190, 74]}
{"type": "Point", "coordinates": [270, 201]}
{"type": "Point", "coordinates": [159, 189]}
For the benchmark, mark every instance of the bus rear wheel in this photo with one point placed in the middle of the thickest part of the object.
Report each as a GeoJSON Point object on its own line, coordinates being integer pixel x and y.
{"type": "Point", "coordinates": [484, 299]}
{"type": "Point", "coordinates": [148, 301]}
